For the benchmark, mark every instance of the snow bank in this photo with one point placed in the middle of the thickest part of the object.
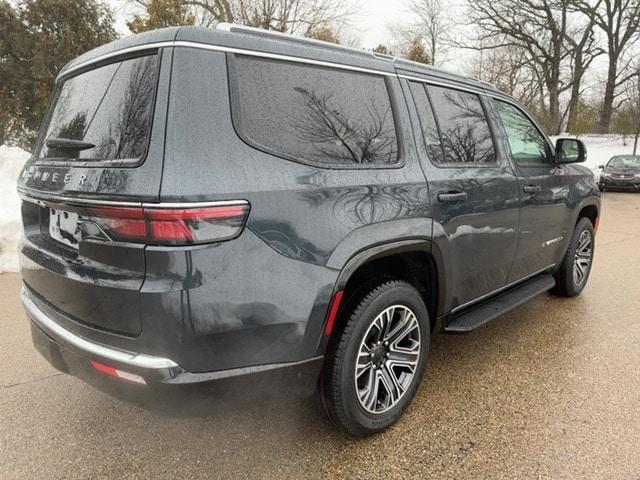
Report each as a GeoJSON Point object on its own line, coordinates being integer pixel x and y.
{"type": "Point", "coordinates": [600, 148]}
{"type": "Point", "coordinates": [11, 161]}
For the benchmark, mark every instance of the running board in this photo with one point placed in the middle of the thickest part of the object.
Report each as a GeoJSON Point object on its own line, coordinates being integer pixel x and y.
{"type": "Point", "coordinates": [483, 313]}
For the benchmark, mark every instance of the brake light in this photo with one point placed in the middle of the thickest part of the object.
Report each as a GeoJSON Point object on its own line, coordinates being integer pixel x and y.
{"type": "Point", "coordinates": [171, 226]}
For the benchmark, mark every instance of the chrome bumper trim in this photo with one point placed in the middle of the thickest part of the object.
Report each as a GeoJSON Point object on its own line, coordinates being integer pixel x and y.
{"type": "Point", "coordinates": [65, 336]}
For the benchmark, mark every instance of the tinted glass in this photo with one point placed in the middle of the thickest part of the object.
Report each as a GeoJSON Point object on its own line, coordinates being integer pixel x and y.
{"type": "Point", "coordinates": [528, 146]}
{"type": "Point", "coordinates": [464, 130]}
{"type": "Point", "coordinates": [427, 123]}
{"type": "Point", "coordinates": [109, 107]}
{"type": "Point", "coordinates": [314, 114]}
{"type": "Point", "coordinates": [625, 162]}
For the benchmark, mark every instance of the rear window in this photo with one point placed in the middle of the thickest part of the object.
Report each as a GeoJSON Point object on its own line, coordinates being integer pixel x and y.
{"type": "Point", "coordinates": [464, 129]}
{"type": "Point", "coordinates": [312, 114]}
{"type": "Point", "coordinates": [104, 113]}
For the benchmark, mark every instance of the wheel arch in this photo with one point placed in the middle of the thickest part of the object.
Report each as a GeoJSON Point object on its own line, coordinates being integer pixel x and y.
{"type": "Point", "coordinates": [416, 261]}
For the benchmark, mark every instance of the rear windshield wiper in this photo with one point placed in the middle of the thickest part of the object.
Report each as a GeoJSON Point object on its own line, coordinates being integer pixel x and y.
{"type": "Point", "coordinates": [68, 144]}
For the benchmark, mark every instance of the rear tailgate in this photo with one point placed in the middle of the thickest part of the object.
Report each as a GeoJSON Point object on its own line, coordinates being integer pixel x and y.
{"type": "Point", "coordinates": [101, 144]}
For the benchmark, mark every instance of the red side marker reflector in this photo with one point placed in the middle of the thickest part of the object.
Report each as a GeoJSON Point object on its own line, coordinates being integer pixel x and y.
{"type": "Point", "coordinates": [333, 312]}
{"type": "Point", "coordinates": [596, 224]}
{"type": "Point", "coordinates": [114, 372]}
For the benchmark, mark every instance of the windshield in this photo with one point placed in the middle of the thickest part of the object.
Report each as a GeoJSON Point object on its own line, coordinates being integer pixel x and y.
{"type": "Point", "coordinates": [629, 161]}
{"type": "Point", "coordinates": [103, 114]}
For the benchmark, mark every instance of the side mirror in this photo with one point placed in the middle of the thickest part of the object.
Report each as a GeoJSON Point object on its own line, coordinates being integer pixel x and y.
{"type": "Point", "coordinates": [601, 167]}
{"type": "Point", "coordinates": [570, 150]}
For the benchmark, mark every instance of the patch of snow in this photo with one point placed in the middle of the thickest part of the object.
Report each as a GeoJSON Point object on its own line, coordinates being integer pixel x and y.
{"type": "Point", "coordinates": [600, 148]}
{"type": "Point", "coordinates": [11, 161]}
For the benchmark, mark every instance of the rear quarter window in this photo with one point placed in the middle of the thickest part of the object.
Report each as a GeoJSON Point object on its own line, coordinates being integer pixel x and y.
{"type": "Point", "coordinates": [311, 114]}
{"type": "Point", "coordinates": [106, 111]}
{"type": "Point", "coordinates": [464, 130]}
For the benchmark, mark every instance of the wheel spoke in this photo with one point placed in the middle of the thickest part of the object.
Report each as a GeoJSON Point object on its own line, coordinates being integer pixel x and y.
{"type": "Point", "coordinates": [380, 325]}
{"type": "Point", "coordinates": [404, 358]}
{"type": "Point", "coordinates": [388, 320]}
{"type": "Point", "coordinates": [390, 384]}
{"type": "Point", "coordinates": [362, 369]}
{"type": "Point", "coordinates": [405, 326]}
{"type": "Point", "coordinates": [371, 394]}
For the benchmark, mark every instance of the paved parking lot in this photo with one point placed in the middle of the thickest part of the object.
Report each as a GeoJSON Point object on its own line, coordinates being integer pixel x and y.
{"type": "Point", "coordinates": [551, 390]}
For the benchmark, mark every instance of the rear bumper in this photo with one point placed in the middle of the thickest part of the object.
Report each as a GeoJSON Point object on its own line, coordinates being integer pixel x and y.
{"type": "Point", "coordinates": [73, 354]}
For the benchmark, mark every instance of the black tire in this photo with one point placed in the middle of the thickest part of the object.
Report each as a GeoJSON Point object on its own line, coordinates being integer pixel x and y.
{"type": "Point", "coordinates": [398, 300]}
{"type": "Point", "coordinates": [566, 281]}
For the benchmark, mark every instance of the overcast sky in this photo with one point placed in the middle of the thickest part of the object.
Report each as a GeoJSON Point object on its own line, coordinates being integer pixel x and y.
{"type": "Point", "coordinates": [370, 27]}
{"type": "Point", "coordinates": [367, 29]}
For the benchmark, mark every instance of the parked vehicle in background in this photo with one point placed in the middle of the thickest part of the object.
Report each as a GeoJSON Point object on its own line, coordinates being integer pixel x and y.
{"type": "Point", "coordinates": [622, 172]}
{"type": "Point", "coordinates": [207, 204]}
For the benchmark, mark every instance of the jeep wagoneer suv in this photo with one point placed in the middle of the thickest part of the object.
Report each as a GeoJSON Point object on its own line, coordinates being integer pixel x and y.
{"type": "Point", "coordinates": [232, 203]}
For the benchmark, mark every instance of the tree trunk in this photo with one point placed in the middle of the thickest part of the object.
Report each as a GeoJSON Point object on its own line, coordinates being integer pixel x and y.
{"type": "Point", "coordinates": [609, 93]}
{"type": "Point", "coordinates": [635, 142]}
{"type": "Point", "coordinates": [574, 100]}
{"type": "Point", "coordinates": [554, 110]}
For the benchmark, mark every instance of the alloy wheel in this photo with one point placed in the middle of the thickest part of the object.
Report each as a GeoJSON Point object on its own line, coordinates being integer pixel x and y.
{"type": "Point", "coordinates": [387, 359]}
{"type": "Point", "coordinates": [582, 258]}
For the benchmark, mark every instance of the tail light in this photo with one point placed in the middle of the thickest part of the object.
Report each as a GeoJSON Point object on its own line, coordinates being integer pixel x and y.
{"type": "Point", "coordinates": [171, 225]}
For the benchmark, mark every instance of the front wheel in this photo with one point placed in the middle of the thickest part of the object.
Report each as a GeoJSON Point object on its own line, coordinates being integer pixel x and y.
{"type": "Point", "coordinates": [375, 363]}
{"type": "Point", "coordinates": [574, 271]}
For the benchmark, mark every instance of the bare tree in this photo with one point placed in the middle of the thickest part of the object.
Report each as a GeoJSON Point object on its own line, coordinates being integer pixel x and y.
{"type": "Point", "coordinates": [583, 49]}
{"type": "Point", "coordinates": [432, 27]}
{"type": "Point", "coordinates": [505, 67]}
{"type": "Point", "coordinates": [619, 20]}
{"type": "Point", "coordinates": [628, 111]}
{"type": "Point", "coordinates": [300, 17]}
{"type": "Point", "coordinates": [538, 28]}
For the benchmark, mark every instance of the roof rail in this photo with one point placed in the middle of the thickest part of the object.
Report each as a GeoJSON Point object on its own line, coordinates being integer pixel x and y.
{"type": "Point", "coordinates": [431, 68]}
{"type": "Point", "coordinates": [288, 37]}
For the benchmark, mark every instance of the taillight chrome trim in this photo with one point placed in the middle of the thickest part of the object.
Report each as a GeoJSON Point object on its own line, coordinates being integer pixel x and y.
{"type": "Point", "coordinates": [188, 205]}
{"type": "Point", "coordinates": [58, 200]}
{"type": "Point", "coordinates": [63, 335]}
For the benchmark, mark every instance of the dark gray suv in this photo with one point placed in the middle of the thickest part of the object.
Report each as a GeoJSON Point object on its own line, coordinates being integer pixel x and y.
{"type": "Point", "coordinates": [208, 204]}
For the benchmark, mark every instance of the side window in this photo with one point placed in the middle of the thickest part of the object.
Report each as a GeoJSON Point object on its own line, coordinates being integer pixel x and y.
{"type": "Point", "coordinates": [528, 145]}
{"type": "Point", "coordinates": [427, 122]}
{"type": "Point", "coordinates": [464, 130]}
{"type": "Point", "coordinates": [314, 114]}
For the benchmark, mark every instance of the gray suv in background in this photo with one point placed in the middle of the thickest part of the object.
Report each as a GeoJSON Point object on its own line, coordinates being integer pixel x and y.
{"type": "Point", "coordinates": [230, 203]}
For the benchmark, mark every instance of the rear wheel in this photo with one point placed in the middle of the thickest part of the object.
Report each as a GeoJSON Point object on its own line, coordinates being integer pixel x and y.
{"type": "Point", "coordinates": [376, 362]}
{"type": "Point", "coordinates": [576, 265]}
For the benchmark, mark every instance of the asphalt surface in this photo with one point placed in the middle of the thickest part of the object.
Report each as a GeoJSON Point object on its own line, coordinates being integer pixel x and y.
{"type": "Point", "coordinates": [550, 390]}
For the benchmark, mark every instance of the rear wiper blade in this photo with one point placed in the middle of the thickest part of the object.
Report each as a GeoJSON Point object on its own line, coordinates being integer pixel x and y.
{"type": "Point", "coordinates": [68, 144]}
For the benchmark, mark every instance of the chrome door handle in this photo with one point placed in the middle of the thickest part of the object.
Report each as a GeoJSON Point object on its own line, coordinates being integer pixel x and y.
{"type": "Point", "coordinates": [531, 188]}
{"type": "Point", "coordinates": [452, 196]}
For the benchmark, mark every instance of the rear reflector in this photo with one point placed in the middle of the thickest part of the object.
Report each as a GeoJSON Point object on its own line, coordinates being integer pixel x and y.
{"type": "Point", "coordinates": [171, 226]}
{"type": "Point", "coordinates": [333, 312]}
{"type": "Point", "coordinates": [596, 224]}
{"type": "Point", "coordinates": [114, 372]}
